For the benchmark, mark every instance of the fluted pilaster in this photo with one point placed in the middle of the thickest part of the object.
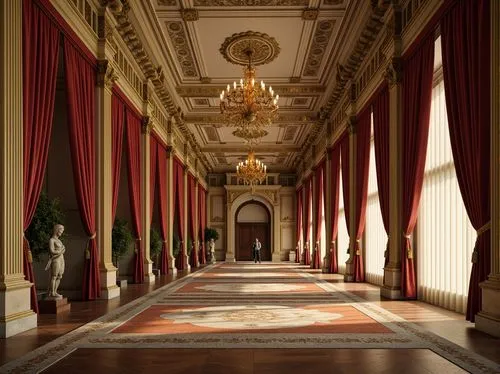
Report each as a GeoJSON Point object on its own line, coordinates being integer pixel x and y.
{"type": "Point", "coordinates": [15, 312]}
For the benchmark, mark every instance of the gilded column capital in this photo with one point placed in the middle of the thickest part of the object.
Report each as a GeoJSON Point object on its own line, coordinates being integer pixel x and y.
{"type": "Point", "coordinates": [106, 75]}
{"type": "Point", "coordinates": [116, 6]}
{"type": "Point", "coordinates": [147, 125]}
{"type": "Point", "coordinates": [394, 71]}
{"type": "Point", "coordinates": [352, 123]}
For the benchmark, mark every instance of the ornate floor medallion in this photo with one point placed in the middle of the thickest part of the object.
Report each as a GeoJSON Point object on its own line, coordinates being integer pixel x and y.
{"type": "Point", "coordinates": [251, 317]}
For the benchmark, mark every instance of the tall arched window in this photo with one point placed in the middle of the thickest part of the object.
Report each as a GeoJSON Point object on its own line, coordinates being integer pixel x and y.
{"type": "Point", "coordinates": [342, 237]}
{"type": "Point", "coordinates": [375, 237]}
{"type": "Point", "coordinates": [444, 236]}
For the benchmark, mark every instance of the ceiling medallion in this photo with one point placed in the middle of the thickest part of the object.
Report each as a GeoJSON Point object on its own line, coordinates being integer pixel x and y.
{"type": "Point", "coordinates": [265, 48]}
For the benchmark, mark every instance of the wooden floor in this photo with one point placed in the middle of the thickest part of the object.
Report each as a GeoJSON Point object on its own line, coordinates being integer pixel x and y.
{"type": "Point", "coordinates": [451, 326]}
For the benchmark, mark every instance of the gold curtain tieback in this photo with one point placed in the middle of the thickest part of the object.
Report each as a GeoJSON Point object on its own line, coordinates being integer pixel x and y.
{"type": "Point", "coordinates": [87, 250]}
{"type": "Point", "coordinates": [484, 228]}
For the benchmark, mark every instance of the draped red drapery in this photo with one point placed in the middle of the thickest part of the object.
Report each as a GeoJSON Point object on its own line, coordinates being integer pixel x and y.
{"type": "Point", "coordinates": [153, 151]}
{"type": "Point", "coordinates": [179, 198]}
{"type": "Point", "coordinates": [417, 91]}
{"type": "Point", "coordinates": [381, 142]}
{"type": "Point", "coordinates": [193, 260]}
{"type": "Point", "coordinates": [363, 132]}
{"type": "Point", "coordinates": [465, 33]}
{"type": "Point", "coordinates": [319, 175]}
{"type": "Point", "coordinates": [117, 124]}
{"type": "Point", "coordinates": [163, 204]}
{"type": "Point", "coordinates": [334, 214]}
{"type": "Point", "coordinates": [80, 89]}
{"type": "Point", "coordinates": [307, 249]}
{"type": "Point", "coordinates": [134, 186]}
{"type": "Point", "coordinates": [202, 200]}
{"type": "Point", "coordinates": [299, 232]}
{"type": "Point", "coordinates": [40, 56]}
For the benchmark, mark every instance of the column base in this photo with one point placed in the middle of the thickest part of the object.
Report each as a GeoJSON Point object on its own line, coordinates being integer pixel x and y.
{"type": "Point", "coordinates": [109, 289]}
{"type": "Point", "coordinates": [391, 293]}
{"type": "Point", "coordinates": [276, 257]}
{"type": "Point", "coordinates": [149, 277]}
{"type": "Point", "coordinates": [349, 272]}
{"type": "Point", "coordinates": [16, 315]}
{"type": "Point", "coordinates": [488, 319]}
{"type": "Point", "coordinates": [230, 257]}
{"type": "Point", "coordinates": [13, 325]}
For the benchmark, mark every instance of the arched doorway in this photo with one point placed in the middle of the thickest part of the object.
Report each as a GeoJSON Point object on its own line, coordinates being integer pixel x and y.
{"type": "Point", "coordinates": [252, 221]}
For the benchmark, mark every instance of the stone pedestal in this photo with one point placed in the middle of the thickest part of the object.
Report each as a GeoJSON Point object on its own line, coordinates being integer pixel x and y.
{"type": "Point", "coordinates": [291, 256]}
{"type": "Point", "coordinates": [54, 306]}
{"type": "Point", "coordinates": [122, 283]}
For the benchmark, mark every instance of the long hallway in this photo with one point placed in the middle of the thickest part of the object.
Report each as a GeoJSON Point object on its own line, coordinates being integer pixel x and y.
{"type": "Point", "coordinates": [260, 318]}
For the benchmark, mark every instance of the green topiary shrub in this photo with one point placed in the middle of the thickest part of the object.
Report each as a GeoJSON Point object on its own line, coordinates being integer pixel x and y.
{"type": "Point", "coordinates": [176, 246]}
{"type": "Point", "coordinates": [121, 239]}
{"type": "Point", "coordinates": [211, 234]}
{"type": "Point", "coordinates": [47, 214]}
{"type": "Point", "coordinates": [155, 243]}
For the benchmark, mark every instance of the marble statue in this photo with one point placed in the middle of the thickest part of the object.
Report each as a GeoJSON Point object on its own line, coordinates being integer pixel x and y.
{"type": "Point", "coordinates": [211, 245]}
{"type": "Point", "coordinates": [56, 262]}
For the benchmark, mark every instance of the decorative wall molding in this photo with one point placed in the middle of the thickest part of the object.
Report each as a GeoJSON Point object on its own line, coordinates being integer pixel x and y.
{"type": "Point", "coordinates": [310, 14]}
{"type": "Point", "coordinates": [214, 91]}
{"type": "Point", "coordinates": [190, 14]}
{"type": "Point", "coordinates": [250, 3]}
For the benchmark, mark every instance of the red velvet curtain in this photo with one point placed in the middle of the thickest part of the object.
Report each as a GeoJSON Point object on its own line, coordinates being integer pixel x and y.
{"type": "Point", "coordinates": [361, 188]}
{"type": "Point", "coordinates": [153, 150]}
{"type": "Point", "coordinates": [417, 91]}
{"type": "Point", "coordinates": [80, 88]}
{"type": "Point", "coordinates": [381, 141]}
{"type": "Point", "coordinates": [40, 56]}
{"type": "Point", "coordinates": [134, 186]}
{"type": "Point", "coordinates": [465, 33]}
{"type": "Point", "coordinates": [307, 250]}
{"type": "Point", "coordinates": [163, 204]}
{"type": "Point", "coordinates": [319, 214]}
{"type": "Point", "coordinates": [334, 214]}
{"type": "Point", "coordinates": [117, 122]}
{"type": "Point", "coordinates": [344, 153]}
{"type": "Point", "coordinates": [299, 233]}
{"type": "Point", "coordinates": [192, 218]}
{"type": "Point", "coordinates": [202, 200]}
{"type": "Point", "coordinates": [179, 197]}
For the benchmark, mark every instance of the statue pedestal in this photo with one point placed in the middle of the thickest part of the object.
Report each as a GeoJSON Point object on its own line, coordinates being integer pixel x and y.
{"type": "Point", "coordinates": [291, 256]}
{"type": "Point", "coordinates": [54, 306]}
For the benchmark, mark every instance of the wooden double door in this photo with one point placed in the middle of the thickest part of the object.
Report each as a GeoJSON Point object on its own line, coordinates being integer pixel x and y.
{"type": "Point", "coordinates": [245, 236]}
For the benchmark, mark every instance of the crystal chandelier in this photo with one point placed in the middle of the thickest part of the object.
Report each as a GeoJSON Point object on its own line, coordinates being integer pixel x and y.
{"type": "Point", "coordinates": [251, 171]}
{"type": "Point", "coordinates": [249, 106]}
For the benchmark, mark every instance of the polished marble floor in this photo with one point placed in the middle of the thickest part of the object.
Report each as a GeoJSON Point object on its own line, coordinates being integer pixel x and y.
{"type": "Point", "coordinates": [448, 325]}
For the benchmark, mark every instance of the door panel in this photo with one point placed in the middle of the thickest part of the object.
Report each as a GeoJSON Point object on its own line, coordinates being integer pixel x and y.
{"type": "Point", "coordinates": [245, 236]}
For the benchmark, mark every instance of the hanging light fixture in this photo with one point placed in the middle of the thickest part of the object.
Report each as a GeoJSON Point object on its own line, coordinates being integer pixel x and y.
{"type": "Point", "coordinates": [250, 105]}
{"type": "Point", "coordinates": [251, 171]}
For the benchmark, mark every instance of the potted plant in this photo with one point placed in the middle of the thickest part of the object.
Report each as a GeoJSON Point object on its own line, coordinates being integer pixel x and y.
{"type": "Point", "coordinates": [176, 246]}
{"type": "Point", "coordinates": [211, 234]}
{"type": "Point", "coordinates": [47, 214]}
{"type": "Point", "coordinates": [155, 244]}
{"type": "Point", "coordinates": [121, 239]}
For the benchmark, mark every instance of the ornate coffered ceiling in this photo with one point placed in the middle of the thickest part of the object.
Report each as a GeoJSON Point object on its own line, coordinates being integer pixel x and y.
{"type": "Point", "coordinates": [185, 38]}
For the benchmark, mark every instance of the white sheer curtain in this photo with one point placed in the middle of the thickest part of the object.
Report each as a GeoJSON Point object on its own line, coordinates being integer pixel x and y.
{"type": "Point", "coordinates": [343, 237]}
{"type": "Point", "coordinates": [375, 238]}
{"type": "Point", "coordinates": [444, 235]}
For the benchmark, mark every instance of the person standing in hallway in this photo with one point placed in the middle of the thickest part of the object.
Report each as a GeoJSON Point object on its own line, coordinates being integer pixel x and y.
{"type": "Point", "coordinates": [256, 250]}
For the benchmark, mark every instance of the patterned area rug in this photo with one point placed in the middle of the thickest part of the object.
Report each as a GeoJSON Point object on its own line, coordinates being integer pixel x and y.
{"type": "Point", "coordinates": [249, 306]}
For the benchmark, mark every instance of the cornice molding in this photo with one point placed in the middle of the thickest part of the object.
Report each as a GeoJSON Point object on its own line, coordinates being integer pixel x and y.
{"type": "Point", "coordinates": [202, 90]}
{"type": "Point", "coordinates": [154, 74]}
